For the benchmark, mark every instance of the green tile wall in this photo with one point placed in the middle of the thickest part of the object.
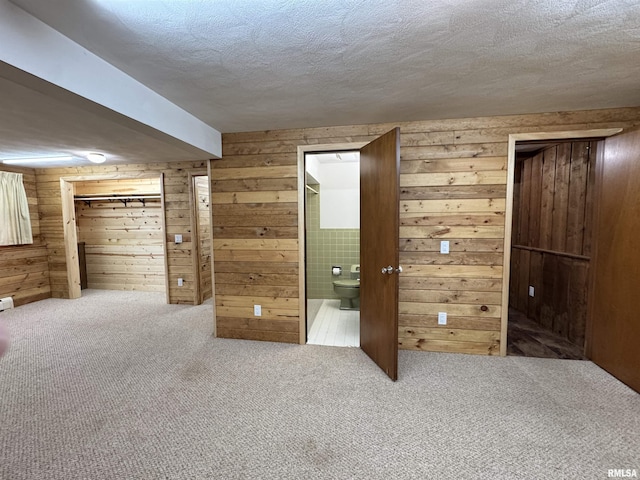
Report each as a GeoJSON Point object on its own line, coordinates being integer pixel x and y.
{"type": "Point", "coordinates": [325, 248]}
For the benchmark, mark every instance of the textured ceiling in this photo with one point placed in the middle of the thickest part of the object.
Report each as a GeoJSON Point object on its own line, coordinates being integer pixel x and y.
{"type": "Point", "coordinates": [242, 65]}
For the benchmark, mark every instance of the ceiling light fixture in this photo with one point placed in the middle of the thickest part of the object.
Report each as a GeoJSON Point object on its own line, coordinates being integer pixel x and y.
{"type": "Point", "coordinates": [20, 161]}
{"type": "Point", "coordinates": [96, 157]}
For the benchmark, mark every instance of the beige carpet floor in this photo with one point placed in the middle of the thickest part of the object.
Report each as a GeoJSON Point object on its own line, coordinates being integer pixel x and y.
{"type": "Point", "coordinates": [118, 385]}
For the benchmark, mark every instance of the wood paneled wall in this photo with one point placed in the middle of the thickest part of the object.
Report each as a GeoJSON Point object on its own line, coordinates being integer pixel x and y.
{"type": "Point", "coordinates": [551, 236]}
{"type": "Point", "coordinates": [123, 239]}
{"type": "Point", "coordinates": [177, 216]}
{"type": "Point", "coordinates": [24, 272]}
{"type": "Point", "coordinates": [553, 198]}
{"type": "Point", "coordinates": [453, 186]}
{"type": "Point", "coordinates": [561, 291]}
{"type": "Point", "coordinates": [134, 186]}
{"type": "Point", "coordinates": [203, 219]}
{"type": "Point", "coordinates": [255, 241]}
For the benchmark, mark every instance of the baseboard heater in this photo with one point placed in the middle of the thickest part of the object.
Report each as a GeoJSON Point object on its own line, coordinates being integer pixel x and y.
{"type": "Point", "coordinates": [6, 303]}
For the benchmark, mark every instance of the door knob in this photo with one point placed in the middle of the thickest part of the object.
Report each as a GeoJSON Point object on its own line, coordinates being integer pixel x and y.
{"type": "Point", "coordinates": [389, 270]}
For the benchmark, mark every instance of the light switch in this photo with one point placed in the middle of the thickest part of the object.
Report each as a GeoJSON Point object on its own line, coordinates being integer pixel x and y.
{"type": "Point", "coordinates": [257, 310]}
{"type": "Point", "coordinates": [178, 238]}
{"type": "Point", "coordinates": [444, 246]}
{"type": "Point", "coordinates": [532, 291]}
{"type": "Point", "coordinates": [442, 318]}
{"type": "Point", "coordinates": [180, 282]}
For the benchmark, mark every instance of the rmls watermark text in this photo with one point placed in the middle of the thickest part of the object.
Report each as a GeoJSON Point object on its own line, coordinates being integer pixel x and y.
{"type": "Point", "coordinates": [622, 473]}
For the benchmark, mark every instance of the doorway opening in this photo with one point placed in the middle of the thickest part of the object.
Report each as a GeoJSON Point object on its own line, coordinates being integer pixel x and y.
{"type": "Point", "coordinates": [379, 180]}
{"type": "Point", "coordinates": [199, 186]}
{"type": "Point", "coordinates": [332, 245]}
{"type": "Point", "coordinates": [114, 233]}
{"type": "Point", "coordinates": [549, 246]}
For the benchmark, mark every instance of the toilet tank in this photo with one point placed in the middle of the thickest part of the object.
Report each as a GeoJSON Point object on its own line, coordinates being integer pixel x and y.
{"type": "Point", "coordinates": [355, 272]}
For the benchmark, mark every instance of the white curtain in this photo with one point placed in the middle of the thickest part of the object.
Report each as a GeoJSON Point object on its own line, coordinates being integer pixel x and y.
{"type": "Point", "coordinates": [15, 223]}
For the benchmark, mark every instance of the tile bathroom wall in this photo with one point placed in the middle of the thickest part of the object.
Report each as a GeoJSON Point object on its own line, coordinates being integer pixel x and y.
{"type": "Point", "coordinates": [325, 248]}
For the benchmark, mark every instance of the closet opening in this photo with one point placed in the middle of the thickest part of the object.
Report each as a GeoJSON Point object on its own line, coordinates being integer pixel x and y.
{"type": "Point", "coordinates": [119, 228]}
{"type": "Point", "coordinates": [551, 247]}
{"type": "Point", "coordinates": [117, 223]}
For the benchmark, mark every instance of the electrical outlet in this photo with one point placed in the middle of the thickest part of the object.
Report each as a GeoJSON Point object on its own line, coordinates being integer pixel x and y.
{"type": "Point", "coordinates": [257, 310]}
{"type": "Point", "coordinates": [442, 318]}
{"type": "Point", "coordinates": [180, 282]}
{"type": "Point", "coordinates": [178, 238]}
{"type": "Point", "coordinates": [444, 246]}
{"type": "Point", "coordinates": [532, 291]}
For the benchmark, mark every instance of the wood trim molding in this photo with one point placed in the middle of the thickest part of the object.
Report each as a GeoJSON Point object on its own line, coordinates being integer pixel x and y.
{"type": "Point", "coordinates": [588, 339]}
{"type": "Point", "coordinates": [106, 176]}
{"type": "Point", "coordinates": [552, 252]}
{"type": "Point", "coordinates": [213, 276]}
{"type": "Point", "coordinates": [572, 134]}
{"type": "Point", "coordinates": [70, 238]}
{"type": "Point", "coordinates": [195, 245]}
{"type": "Point", "coordinates": [164, 240]}
{"type": "Point", "coordinates": [302, 293]}
{"type": "Point", "coordinates": [67, 189]}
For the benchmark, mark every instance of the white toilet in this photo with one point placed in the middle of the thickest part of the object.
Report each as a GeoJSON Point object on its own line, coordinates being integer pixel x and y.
{"type": "Point", "coordinates": [349, 290]}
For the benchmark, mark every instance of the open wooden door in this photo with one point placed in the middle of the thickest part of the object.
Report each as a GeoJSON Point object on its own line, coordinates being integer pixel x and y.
{"type": "Point", "coordinates": [379, 244]}
{"type": "Point", "coordinates": [614, 334]}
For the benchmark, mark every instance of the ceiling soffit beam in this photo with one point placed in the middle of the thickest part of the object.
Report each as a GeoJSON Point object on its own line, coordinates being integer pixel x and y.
{"type": "Point", "coordinates": [31, 46]}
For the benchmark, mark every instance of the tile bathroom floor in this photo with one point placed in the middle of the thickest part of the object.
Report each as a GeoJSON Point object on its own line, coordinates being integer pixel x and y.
{"type": "Point", "coordinates": [334, 327]}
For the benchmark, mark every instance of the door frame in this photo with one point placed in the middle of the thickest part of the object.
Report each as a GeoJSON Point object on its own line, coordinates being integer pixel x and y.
{"type": "Point", "coordinates": [302, 265]}
{"type": "Point", "coordinates": [67, 191]}
{"type": "Point", "coordinates": [511, 163]}
{"type": "Point", "coordinates": [195, 233]}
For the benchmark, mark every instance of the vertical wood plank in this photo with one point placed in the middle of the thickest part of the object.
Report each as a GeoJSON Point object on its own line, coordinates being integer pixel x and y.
{"type": "Point", "coordinates": [70, 239]}
{"type": "Point", "coordinates": [193, 221]}
{"type": "Point", "coordinates": [525, 195]}
{"type": "Point", "coordinates": [546, 197]}
{"type": "Point", "coordinates": [204, 237]}
{"type": "Point", "coordinates": [517, 203]}
{"type": "Point", "coordinates": [302, 252]}
{"type": "Point", "coordinates": [514, 279]}
{"type": "Point", "coordinates": [211, 252]}
{"type": "Point", "coordinates": [561, 198]}
{"type": "Point", "coordinates": [589, 199]}
{"type": "Point", "coordinates": [523, 296]}
{"type": "Point", "coordinates": [577, 197]}
{"type": "Point", "coordinates": [560, 300]}
{"type": "Point", "coordinates": [578, 300]}
{"type": "Point", "coordinates": [535, 200]}
{"type": "Point", "coordinates": [549, 274]}
{"type": "Point", "coordinates": [536, 281]}
{"type": "Point", "coordinates": [164, 239]}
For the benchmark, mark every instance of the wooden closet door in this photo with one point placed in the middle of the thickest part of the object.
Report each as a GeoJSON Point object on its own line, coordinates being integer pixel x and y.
{"type": "Point", "coordinates": [614, 337]}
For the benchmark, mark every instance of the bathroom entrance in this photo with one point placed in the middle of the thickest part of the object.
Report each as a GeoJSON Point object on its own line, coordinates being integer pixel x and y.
{"type": "Point", "coordinates": [332, 235]}
{"type": "Point", "coordinates": [378, 267]}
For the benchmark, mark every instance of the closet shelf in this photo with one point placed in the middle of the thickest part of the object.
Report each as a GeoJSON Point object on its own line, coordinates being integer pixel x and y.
{"type": "Point", "coordinates": [87, 199]}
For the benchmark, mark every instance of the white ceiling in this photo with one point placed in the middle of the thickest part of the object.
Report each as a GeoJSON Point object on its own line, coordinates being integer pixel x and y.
{"type": "Point", "coordinates": [243, 65]}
